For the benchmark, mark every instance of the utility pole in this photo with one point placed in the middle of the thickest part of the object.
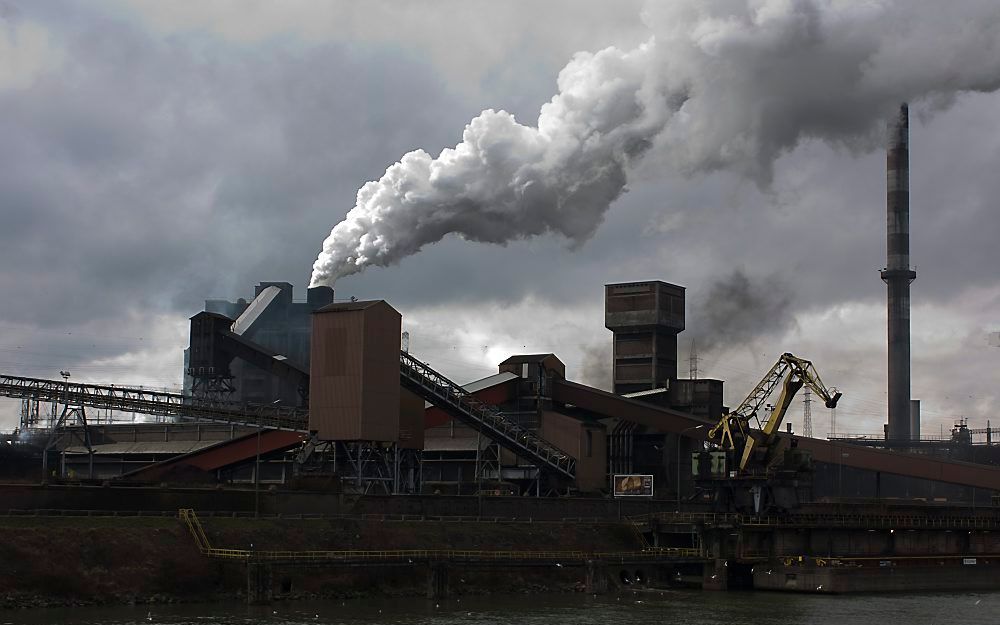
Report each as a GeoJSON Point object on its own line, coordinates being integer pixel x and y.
{"type": "Point", "coordinates": [680, 435]}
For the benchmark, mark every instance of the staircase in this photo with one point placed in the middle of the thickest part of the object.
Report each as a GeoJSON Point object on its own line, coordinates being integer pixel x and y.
{"type": "Point", "coordinates": [190, 519]}
{"type": "Point", "coordinates": [484, 418]}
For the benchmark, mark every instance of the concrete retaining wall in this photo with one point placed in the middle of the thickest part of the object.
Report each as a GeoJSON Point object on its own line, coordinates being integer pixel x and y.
{"type": "Point", "coordinates": [891, 577]}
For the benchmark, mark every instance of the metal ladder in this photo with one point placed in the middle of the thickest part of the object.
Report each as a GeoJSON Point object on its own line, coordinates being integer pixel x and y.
{"type": "Point", "coordinates": [190, 519]}
{"type": "Point", "coordinates": [484, 418]}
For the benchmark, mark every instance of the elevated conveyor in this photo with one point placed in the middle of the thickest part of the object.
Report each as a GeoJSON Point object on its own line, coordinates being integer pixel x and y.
{"type": "Point", "coordinates": [460, 404]}
{"type": "Point", "coordinates": [151, 402]}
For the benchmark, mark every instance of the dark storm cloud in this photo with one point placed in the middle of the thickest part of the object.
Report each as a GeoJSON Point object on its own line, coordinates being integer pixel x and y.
{"type": "Point", "coordinates": [595, 368]}
{"type": "Point", "coordinates": [151, 173]}
{"type": "Point", "coordinates": [152, 167]}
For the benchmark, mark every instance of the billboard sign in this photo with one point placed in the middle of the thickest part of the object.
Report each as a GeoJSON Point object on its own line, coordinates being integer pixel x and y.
{"type": "Point", "coordinates": [633, 485]}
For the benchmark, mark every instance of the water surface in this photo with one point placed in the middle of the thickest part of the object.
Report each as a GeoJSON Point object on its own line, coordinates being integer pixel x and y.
{"type": "Point", "coordinates": [673, 606]}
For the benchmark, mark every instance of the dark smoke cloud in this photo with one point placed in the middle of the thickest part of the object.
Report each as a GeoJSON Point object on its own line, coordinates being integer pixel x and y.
{"type": "Point", "coordinates": [721, 85]}
{"type": "Point", "coordinates": [737, 309]}
{"type": "Point", "coordinates": [595, 369]}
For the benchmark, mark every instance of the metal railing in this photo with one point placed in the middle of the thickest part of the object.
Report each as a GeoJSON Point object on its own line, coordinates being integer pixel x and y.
{"type": "Point", "coordinates": [701, 518]}
{"type": "Point", "coordinates": [421, 556]}
{"type": "Point", "coordinates": [873, 521]}
{"type": "Point", "coordinates": [860, 521]}
{"type": "Point", "coordinates": [484, 418]}
{"type": "Point", "coordinates": [197, 531]}
{"type": "Point", "coordinates": [424, 556]}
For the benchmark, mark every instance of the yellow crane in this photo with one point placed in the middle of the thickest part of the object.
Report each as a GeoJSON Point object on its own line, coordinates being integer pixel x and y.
{"type": "Point", "coordinates": [756, 447]}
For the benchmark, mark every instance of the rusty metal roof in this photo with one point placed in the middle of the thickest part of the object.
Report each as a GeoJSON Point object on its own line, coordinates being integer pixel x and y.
{"type": "Point", "coordinates": [159, 448]}
{"type": "Point", "coordinates": [483, 384]}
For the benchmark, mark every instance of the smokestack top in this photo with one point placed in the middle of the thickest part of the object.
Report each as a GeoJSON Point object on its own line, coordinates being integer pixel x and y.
{"type": "Point", "coordinates": [899, 130]}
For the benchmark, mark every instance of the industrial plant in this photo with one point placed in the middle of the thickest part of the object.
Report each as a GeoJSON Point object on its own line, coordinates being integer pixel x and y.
{"type": "Point", "coordinates": [318, 406]}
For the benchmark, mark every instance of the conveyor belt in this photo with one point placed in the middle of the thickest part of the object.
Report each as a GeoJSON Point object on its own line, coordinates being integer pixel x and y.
{"type": "Point", "coordinates": [462, 405]}
{"type": "Point", "coordinates": [144, 401]}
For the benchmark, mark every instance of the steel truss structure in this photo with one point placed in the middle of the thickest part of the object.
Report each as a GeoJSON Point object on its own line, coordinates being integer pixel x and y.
{"type": "Point", "coordinates": [483, 418]}
{"type": "Point", "coordinates": [151, 402]}
{"type": "Point", "coordinates": [365, 467]}
{"type": "Point", "coordinates": [212, 388]}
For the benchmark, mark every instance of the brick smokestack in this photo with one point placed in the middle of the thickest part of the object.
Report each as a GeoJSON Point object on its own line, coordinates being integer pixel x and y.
{"type": "Point", "coordinates": [898, 275]}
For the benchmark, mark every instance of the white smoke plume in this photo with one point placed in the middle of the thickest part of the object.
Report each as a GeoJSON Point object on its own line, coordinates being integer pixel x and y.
{"type": "Point", "coordinates": [721, 84]}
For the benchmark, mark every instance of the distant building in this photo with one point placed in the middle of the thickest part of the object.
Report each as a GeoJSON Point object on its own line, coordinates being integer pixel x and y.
{"type": "Point", "coordinates": [274, 320]}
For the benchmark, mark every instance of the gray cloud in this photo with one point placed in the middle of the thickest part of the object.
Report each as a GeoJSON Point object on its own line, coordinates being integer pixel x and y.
{"type": "Point", "coordinates": [152, 175]}
{"type": "Point", "coordinates": [150, 168]}
{"type": "Point", "coordinates": [736, 309]}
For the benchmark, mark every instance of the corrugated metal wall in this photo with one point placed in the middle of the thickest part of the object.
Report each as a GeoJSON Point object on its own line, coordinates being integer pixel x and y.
{"type": "Point", "coordinates": [354, 391]}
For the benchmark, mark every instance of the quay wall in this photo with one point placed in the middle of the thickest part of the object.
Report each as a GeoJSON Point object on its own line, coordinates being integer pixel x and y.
{"type": "Point", "coordinates": [883, 576]}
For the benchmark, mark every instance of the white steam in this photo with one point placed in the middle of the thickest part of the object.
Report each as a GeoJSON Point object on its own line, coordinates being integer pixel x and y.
{"type": "Point", "coordinates": [722, 84]}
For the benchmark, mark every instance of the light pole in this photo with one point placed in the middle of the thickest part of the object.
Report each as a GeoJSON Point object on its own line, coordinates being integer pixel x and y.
{"type": "Point", "coordinates": [256, 477]}
{"type": "Point", "coordinates": [679, 437]}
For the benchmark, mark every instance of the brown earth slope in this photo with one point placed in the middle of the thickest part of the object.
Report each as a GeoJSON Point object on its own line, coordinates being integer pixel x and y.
{"type": "Point", "coordinates": [84, 560]}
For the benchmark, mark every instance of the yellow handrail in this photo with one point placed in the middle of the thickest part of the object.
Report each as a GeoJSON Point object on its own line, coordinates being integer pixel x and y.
{"type": "Point", "coordinates": [411, 556]}
{"type": "Point", "coordinates": [194, 526]}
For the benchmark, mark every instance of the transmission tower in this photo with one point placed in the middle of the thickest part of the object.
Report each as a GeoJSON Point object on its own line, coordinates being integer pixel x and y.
{"type": "Point", "coordinates": [807, 417]}
{"type": "Point", "coordinates": [693, 362]}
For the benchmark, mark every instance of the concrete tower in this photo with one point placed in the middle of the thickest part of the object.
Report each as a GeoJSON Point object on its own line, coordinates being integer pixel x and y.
{"type": "Point", "coordinates": [898, 275]}
{"type": "Point", "coordinates": [645, 318]}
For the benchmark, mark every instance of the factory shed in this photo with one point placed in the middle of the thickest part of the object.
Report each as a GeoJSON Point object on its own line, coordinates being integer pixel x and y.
{"type": "Point", "coordinates": [453, 451]}
{"type": "Point", "coordinates": [458, 460]}
{"type": "Point", "coordinates": [208, 461]}
{"type": "Point", "coordinates": [112, 460]}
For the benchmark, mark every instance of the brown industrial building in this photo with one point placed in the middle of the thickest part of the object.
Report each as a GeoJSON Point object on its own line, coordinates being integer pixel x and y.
{"type": "Point", "coordinates": [377, 423]}
{"type": "Point", "coordinates": [354, 372]}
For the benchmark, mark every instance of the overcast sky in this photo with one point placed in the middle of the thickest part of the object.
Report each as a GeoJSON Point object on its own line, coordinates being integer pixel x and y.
{"type": "Point", "coordinates": [156, 154]}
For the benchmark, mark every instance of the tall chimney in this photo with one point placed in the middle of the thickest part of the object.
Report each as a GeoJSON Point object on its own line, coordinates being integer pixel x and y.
{"type": "Point", "coordinates": [897, 274]}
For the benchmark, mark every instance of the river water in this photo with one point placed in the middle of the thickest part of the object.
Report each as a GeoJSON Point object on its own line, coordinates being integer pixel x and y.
{"type": "Point", "coordinates": [670, 607]}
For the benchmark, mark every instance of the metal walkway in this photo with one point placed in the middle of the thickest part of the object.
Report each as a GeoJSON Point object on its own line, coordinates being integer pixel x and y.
{"type": "Point", "coordinates": [484, 418]}
{"type": "Point", "coordinates": [889, 521]}
{"type": "Point", "coordinates": [427, 556]}
{"type": "Point", "coordinates": [144, 401]}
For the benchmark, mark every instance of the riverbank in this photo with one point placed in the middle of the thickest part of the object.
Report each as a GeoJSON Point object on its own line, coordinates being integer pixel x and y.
{"type": "Point", "coordinates": [75, 561]}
